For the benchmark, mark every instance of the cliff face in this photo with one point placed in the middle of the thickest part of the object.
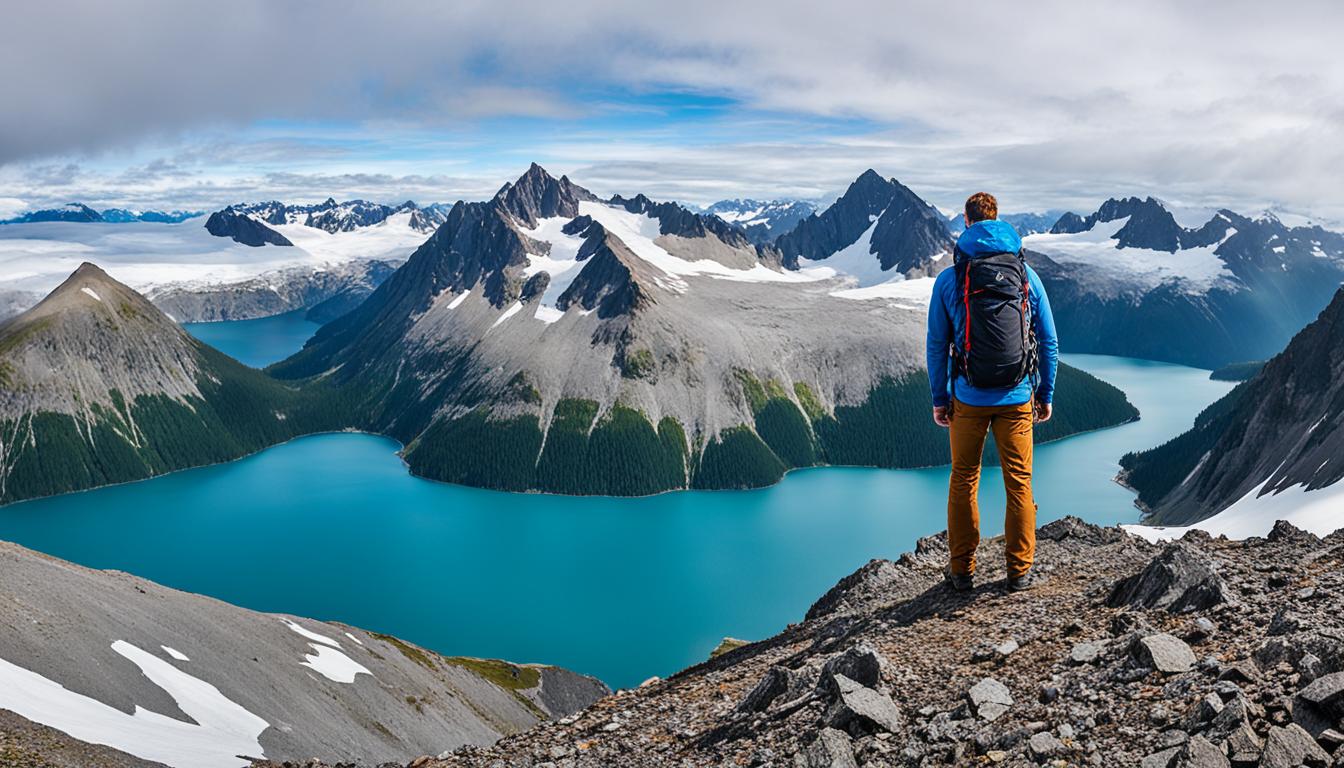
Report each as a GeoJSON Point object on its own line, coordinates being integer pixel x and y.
{"type": "Point", "coordinates": [1282, 429]}
{"type": "Point", "coordinates": [165, 676]}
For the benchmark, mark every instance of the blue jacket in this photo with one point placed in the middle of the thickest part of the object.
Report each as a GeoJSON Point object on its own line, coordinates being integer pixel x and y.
{"type": "Point", "coordinates": [947, 318]}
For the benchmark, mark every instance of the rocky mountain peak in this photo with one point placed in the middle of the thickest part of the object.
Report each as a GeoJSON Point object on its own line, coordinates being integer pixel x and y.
{"type": "Point", "coordinates": [539, 195]}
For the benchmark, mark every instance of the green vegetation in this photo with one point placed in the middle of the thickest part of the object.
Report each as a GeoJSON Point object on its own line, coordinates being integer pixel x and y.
{"type": "Point", "coordinates": [477, 450]}
{"type": "Point", "coordinates": [622, 456]}
{"type": "Point", "coordinates": [240, 412]}
{"type": "Point", "coordinates": [1156, 472]}
{"type": "Point", "coordinates": [737, 459]}
{"type": "Point", "coordinates": [726, 645]}
{"type": "Point", "coordinates": [511, 677]}
{"type": "Point", "coordinates": [637, 364]}
{"type": "Point", "coordinates": [809, 401]}
{"type": "Point", "coordinates": [409, 651]}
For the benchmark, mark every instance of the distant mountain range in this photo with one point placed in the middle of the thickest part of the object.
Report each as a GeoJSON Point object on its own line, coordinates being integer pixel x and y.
{"type": "Point", "coordinates": [543, 339]}
{"type": "Point", "coordinates": [79, 212]}
{"type": "Point", "coordinates": [1270, 449]}
{"type": "Point", "coordinates": [763, 220]}
{"type": "Point", "coordinates": [1025, 223]}
{"type": "Point", "coordinates": [1127, 279]}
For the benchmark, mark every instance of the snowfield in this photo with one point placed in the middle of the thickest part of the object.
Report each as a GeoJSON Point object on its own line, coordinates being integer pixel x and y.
{"type": "Point", "coordinates": [1320, 511]}
{"type": "Point", "coordinates": [37, 257]}
{"type": "Point", "coordinates": [222, 729]}
{"type": "Point", "coordinates": [1196, 270]}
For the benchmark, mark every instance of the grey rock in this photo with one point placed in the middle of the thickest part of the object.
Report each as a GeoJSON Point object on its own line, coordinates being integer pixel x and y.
{"type": "Point", "coordinates": [1310, 667]}
{"type": "Point", "coordinates": [990, 699]}
{"type": "Point", "coordinates": [1178, 580]}
{"type": "Point", "coordinates": [861, 708]}
{"type": "Point", "coordinates": [1290, 747]}
{"type": "Point", "coordinates": [862, 664]}
{"type": "Point", "coordinates": [831, 749]}
{"type": "Point", "coordinates": [1044, 744]}
{"type": "Point", "coordinates": [772, 685]}
{"type": "Point", "coordinates": [1320, 705]}
{"type": "Point", "coordinates": [1243, 746]}
{"type": "Point", "coordinates": [1199, 753]}
{"type": "Point", "coordinates": [1165, 653]}
{"type": "Point", "coordinates": [1162, 759]}
{"type": "Point", "coordinates": [1007, 647]}
{"type": "Point", "coordinates": [1085, 653]}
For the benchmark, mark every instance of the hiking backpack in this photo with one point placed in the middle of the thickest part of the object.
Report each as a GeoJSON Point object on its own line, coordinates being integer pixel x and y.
{"type": "Point", "coordinates": [998, 344]}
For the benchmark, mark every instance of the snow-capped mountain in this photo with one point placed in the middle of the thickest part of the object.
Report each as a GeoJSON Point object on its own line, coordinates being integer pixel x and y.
{"type": "Point", "coordinates": [763, 220]}
{"type": "Point", "coordinates": [1269, 450]}
{"type": "Point", "coordinates": [78, 212]}
{"type": "Point", "coordinates": [331, 216]}
{"type": "Point", "coordinates": [1129, 279]}
{"type": "Point", "coordinates": [549, 339]}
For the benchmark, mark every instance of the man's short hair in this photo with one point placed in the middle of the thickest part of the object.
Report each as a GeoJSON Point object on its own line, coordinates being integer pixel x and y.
{"type": "Point", "coordinates": [981, 206]}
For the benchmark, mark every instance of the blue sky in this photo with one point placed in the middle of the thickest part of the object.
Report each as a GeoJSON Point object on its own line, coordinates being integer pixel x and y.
{"type": "Point", "coordinates": [1054, 105]}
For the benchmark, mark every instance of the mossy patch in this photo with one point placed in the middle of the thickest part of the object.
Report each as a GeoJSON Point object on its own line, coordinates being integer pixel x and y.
{"type": "Point", "coordinates": [510, 677]}
{"type": "Point", "coordinates": [809, 401]}
{"type": "Point", "coordinates": [637, 364]}
{"type": "Point", "coordinates": [407, 650]}
{"type": "Point", "coordinates": [726, 645]}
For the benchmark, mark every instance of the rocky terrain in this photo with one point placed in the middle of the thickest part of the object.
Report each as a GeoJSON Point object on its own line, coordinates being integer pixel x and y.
{"type": "Point", "coordinates": [326, 294]}
{"type": "Point", "coordinates": [101, 668]}
{"type": "Point", "coordinates": [1273, 442]}
{"type": "Point", "coordinates": [1201, 653]}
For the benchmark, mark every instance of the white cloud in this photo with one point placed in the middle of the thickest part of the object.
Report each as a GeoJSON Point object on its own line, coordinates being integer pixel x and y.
{"type": "Point", "coordinates": [1055, 102]}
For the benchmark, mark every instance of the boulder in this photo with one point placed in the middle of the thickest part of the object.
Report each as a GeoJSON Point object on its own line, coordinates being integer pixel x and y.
{"type": "Point", "coordinates": [1085, 653]}
{"type": "Point", "coordinates": [862, 709]}
{"type": "Point", "coordinates": [772, 685]}
{"type": "Point", "coordinates": [1243, 746]}
{"type": "Point", "coordinates": [1177, 580]}
{"type": "Point", "coordinates": [831, 749]}
{"type": "Point", "coordinates": [862, 664]}
{"type": "Point", "coordinates": [1290, 747]}
{"type": "Point", "coordinates": [989, 699]}
{"type": "Point", "coordinates": [1320, 705]}
{"type": "Point", "coordinates": [1198, 752]}
{"type": "Point", "coordinates": [1165, 653]}
{"type": "Point", "coordinates": [1044, 744]}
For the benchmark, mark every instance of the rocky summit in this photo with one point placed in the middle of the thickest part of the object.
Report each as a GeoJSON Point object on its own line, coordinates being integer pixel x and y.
{"type": "Point", "coordinates": [1199, 652]}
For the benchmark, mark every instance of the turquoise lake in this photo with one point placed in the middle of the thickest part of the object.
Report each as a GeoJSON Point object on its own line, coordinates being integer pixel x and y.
{"type": "Point", "coordinates": [333, 527]}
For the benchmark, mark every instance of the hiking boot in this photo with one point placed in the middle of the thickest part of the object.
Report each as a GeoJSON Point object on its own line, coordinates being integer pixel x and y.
{"type": "Point", "coordinates": [961, 582]}
{"type": "Point", "coordinates": [1026, 581]}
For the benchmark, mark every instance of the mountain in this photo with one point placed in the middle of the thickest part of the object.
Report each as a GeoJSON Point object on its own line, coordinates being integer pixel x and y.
{"type": "Point", "coordinates": [68, 212]}
{"type": "Point", "coordinates": [98, 386]}
{"type": "Point", "coordinates": [176, 678]}
{"type": "Point", "coordinates": [78, 212]}
{"type": "Point", "coordinates": [546, 339]}
{"type": "Point", "coordinates": [1192, 654]}
{"type": "Point", "coordinates": [1270, 449]}
{"type": "Point", "coordinates": [763, 220]}
{"type": "Point", "coordinates": [878, 225]}
{"type": "Point", "coordinates": [1129, 279]}
{"type": "Point", "coordinates": [325, 294]}
{"type": "Point", "coordinates": [242, 228]}
{"type": "Point", "coordinates": [331, 216]}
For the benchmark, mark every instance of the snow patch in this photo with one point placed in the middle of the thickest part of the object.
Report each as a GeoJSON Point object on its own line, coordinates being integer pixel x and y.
{"type": "Point", "coordinates": [91, 292]}
{"type": "Point", "coordinates": [1196, 270]}
{"type": "Point", "coordinates": [562, 263]}
{"type": "Point", "coordinates": [855, 261]}
{"type": "Point", "coordinates": [909, 294]}
{"type": "Point", "coordinates": [176, 654]}
{"type": "Point", "coordinates": [222, 729]}
{"type": "Point", "coordinates": [457, 300]}
{"type": "Point", "coordinates": [356, 639]}
{"type": "Point", "coordinates": [310, 634]}
{"type": "Point", "coordinates": [513, 309]}
{"type": "Point", "coordinates": [333, 664]}
{"type": "Point", "coordinates": [1254, 515]}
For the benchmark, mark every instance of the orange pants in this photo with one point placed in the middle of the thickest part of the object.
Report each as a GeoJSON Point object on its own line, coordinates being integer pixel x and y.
{"type": "Point", "coordinates": [1012, 425]}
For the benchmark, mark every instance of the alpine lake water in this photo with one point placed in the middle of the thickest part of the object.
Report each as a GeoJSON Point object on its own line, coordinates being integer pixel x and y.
{"type": "Point", "coordinates": [334, 527]}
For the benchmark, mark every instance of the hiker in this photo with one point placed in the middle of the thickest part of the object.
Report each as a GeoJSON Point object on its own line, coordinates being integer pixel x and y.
{"type": "Point", "coordinates": [992, 354]}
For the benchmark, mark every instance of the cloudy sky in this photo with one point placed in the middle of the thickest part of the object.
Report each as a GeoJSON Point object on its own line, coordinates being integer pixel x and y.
{"type": "Point", "coordinates": [1049, 104]}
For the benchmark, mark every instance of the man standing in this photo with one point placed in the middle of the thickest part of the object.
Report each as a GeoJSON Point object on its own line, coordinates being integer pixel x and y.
{"type": "Point", "coordinates": [992, 355]}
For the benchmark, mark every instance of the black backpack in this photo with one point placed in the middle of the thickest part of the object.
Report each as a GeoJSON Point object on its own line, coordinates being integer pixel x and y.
{"type": "Point", "coordinates": [998, 346]}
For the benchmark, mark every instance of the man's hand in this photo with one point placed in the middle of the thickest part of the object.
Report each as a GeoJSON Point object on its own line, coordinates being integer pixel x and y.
{"type": "Point", "coordinates": [942, 415]}
{"type": "Point", "coordinates": [1043, 412]}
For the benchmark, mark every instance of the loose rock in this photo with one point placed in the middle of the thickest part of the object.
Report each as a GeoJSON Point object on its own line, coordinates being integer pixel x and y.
{"type": "Point", "coordinates": [1167, 654]}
